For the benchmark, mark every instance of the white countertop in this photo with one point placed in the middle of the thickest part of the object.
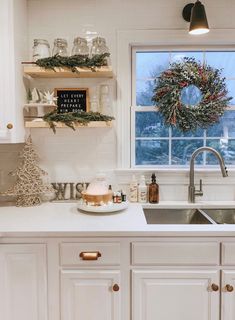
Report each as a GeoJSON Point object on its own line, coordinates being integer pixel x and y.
{"type": "Point", "coordinates": [64, 219]}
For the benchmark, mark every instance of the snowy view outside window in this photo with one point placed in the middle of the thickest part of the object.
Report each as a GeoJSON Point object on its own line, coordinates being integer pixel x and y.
{"type": "Point", "coordinates": [157, 145]}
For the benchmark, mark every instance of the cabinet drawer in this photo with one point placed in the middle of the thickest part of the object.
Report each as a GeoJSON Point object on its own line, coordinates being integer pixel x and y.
{"type": "Point", "coordinates": [228, 253]}
{"type": "Point", "coordinates": [175, 253]}
{"type": "Point", "coordinates": [93, 253]}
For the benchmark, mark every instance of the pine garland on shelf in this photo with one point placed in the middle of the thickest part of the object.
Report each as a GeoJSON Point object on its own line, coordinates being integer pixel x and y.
{"type": "Point", "coordinates": [73, 62]}
{"type": "Point", "coordinates": [168, 95]}
{"type": "Point", "coordinates": [72, 118]}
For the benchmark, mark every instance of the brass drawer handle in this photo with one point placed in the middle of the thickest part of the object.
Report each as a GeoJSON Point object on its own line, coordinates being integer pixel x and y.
{"type": "Point", "coordinates": [214, 287]}
{"type": "Point", "coordinates": [116, 287]}
{"type": "Point", "coordinates": [9, 126]}
{"type": "Point", "coordinates": [90, 255]}
{"type": "Point", "coordinates": [229, 288]}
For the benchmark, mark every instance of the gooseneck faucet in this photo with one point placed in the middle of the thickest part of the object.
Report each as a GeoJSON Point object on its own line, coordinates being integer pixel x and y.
{"type": "Point", "coordinates": [192, 192]}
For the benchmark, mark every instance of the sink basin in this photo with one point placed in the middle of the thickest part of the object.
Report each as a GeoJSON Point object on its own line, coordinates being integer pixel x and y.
{"type": "Point", "coordinates": [175, 216]}
{"type": "Point", "coordinates": [221, 216]}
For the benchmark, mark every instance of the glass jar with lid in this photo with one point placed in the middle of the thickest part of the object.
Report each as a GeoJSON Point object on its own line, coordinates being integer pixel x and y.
{"type": "Point", "coordinates": [60, 47]}
{"type": "Point", "coordinates": [41, 49]}
{"type": "Point", "coordinates": [80, 47]}
{"type": "Point", "coordinates": [99, 47]}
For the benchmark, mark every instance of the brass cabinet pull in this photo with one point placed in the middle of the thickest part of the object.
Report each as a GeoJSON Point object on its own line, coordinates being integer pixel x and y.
{"type": "Point", "coordinates": [229, 288]}
{"type": "Point", "coordinates": [9, 126]}
{"type": "Point", "coordinates": [214, 287]}
{"type": "Point", "coordinates": [116, 287]}
{"type": "Point", "coordinates": [90, 255]}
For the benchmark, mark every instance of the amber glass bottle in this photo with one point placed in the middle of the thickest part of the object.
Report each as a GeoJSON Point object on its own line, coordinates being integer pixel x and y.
{"type": "Point", "coordinates": [153, 190]}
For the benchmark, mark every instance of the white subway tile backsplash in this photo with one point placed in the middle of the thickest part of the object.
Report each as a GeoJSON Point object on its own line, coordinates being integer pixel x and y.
{"type": "Point", "coordinates": [79, 155]}
{"type": "Point", "coordinates": [9, 159]}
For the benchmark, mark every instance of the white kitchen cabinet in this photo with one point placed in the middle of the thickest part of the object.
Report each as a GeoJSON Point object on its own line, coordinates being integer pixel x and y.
{"type": "Point", "coordinates": [175, 294]}
{"type": "Point", "coordinates": [123, 282]}
{"type": "Point", "coordinates": [13, 35]}
{"type": "Point", "coordinates": [23, 282]}
{"type": "Point", "coordinates": [176, 253]}
{"type": "Point", "coordinates": [109, 254]}
{"type": "Point", "coordinates": [228, 295]}
{"type": "Point", "coordinates": [90, 294]}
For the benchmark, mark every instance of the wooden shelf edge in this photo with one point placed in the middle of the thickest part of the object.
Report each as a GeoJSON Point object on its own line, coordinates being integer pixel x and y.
{"type": "Point", "coordinates": [39, 105]}
{"type": "Point", "coordinates": [38, 72]}
{"type": "Point", "coordinates": [92, 124]}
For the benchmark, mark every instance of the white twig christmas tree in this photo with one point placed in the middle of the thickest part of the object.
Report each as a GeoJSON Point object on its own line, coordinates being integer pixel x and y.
{"type": "Point", "coordinates": [29, 184]}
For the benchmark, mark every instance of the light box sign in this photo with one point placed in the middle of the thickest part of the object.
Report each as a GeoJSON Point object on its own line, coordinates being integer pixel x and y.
{"type": "Point", "coordinates": [72, 99]}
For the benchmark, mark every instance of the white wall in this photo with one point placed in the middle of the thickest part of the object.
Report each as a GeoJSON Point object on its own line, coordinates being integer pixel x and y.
{"type": "Point", "coordinates": [77, 156]}
{"type": "Point", "coordinates": [68, 155]}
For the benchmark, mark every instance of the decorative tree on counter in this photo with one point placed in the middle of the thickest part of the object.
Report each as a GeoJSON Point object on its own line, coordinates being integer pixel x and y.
{"type": "Point", "coordinates": [29, 185]}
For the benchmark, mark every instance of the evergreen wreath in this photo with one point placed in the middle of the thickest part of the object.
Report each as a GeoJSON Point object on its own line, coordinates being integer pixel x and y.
{"type": "Point", "coordinates": [168, 95]}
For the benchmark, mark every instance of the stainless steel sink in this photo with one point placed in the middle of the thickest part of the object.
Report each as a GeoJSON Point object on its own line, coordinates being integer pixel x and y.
{"type": "Point", "coordinates": [175, 216]}
{"type": "Point", "coordinates": [221, 216]}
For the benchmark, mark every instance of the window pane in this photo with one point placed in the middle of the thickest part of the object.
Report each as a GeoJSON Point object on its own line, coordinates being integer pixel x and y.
{"type": "Point", "coordinates": [225, 147]}
{"type": "Point", "coordinates": [144, 93]}
{"type": "Point", "coordinates": [191, 95]}
{"type": "Point", "coordinates": [225, 128]}
{"type": "Point", "coordinates": [222, 60]}
{"type": "Point", "coordinates": [179, 56]}
{"type": "Point", "coordinates": [150, 124]}
{"type": "Point", "coordinates": [152, 152]}
{"type": "Point", "coordinates": [151, 64]}
{"type": "Point", "coordinates": [231, 91]}
{"type": "Point", "coordinates": [177, 133]}
{"type": "Point", "coordinates": [183, 149]}
{"type": "Point", "coordinates": [155, 143]}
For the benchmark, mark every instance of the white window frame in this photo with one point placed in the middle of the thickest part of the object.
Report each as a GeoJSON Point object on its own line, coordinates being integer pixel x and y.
{"type": "Point", "coordinates": [126, 39]}
{"type": "Point", "coordinates": [135, 108]}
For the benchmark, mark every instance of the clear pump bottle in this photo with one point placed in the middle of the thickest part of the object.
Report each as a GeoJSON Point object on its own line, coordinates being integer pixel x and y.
{"type": "Point", "coordinates": [133, 190]}
{"type": "Point", "coordinates": [142, 190]}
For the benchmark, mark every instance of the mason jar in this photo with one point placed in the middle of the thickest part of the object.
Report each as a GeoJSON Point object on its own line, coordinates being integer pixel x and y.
{"type": "Point", "coordinates": [60, 47]}
{"type": "Point", "coordinates": [41, 49]}
{"type": "Point", "coordinates": [80, 47]}
{"type": "Point", "coordinates": [99, 47]}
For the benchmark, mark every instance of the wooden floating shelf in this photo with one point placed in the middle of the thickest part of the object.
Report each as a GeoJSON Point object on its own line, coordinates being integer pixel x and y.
{"type": "Point", "coordinates": [38, 72]}
{"type": "Point", "coordinates": [92, 124]}
{"type": "Point", "coordinates": [40, 105]}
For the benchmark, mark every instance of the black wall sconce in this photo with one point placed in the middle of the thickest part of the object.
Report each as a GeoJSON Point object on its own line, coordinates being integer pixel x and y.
{"type": "Point", "coordinates": [195, 13]}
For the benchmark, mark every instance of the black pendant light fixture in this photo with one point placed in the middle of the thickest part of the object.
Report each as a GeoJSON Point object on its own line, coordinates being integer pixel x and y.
{"type": "Point", "coordinates": [195, 14]}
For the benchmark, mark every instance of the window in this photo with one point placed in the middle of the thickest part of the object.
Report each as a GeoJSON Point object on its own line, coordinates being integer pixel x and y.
{"type": "Point", "coordinates": [153, 143]}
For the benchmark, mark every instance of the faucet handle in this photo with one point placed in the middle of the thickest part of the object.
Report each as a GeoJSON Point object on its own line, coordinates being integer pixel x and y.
{"type": "Point", "coordinates": [199, 192]}
{"type": "Point", "coordinates": [200, 189]}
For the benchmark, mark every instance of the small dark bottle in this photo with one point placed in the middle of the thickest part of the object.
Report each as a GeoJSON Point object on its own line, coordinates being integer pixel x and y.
{"type": "Point", "coordinates": [153, 190]}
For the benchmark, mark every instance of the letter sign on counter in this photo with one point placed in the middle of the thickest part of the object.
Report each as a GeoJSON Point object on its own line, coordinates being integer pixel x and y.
{"type": "Point", "coordinates": [72, 99]}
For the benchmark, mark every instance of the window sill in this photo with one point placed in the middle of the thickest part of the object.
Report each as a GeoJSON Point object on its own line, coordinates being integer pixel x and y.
{"type": "Point", "coordinates": [178, 170]}
{"type": "Point", "coordinates": [176, 176]}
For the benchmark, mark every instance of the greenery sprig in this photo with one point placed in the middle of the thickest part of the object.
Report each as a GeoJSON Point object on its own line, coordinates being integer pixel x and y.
{"type": "Point", "coordinates": [168, 95]}
{"type": "Point", "coordinates": [72, 118]}
{"type": "Point", "coordinates": [73, 62]}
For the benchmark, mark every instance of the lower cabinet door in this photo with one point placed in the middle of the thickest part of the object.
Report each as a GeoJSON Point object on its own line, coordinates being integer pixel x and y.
{"type": "Point", "coordinates": [228, 295]}
{"type": "Point", "coordinates": [90, 295]}
{"type": "Point", "coordinates": [23, 282]}
{"type": "Point", "coordinates": [175, 295]}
